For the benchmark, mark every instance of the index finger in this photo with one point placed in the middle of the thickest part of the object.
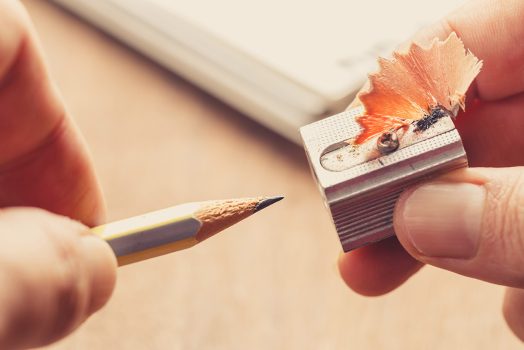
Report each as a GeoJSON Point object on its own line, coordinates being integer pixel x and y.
{"type": "Point", "coordinates": [43, 161]}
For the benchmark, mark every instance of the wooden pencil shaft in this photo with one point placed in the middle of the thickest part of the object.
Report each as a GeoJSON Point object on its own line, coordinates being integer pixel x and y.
{"type": "Point", "coordinates": [156, 251]}
{"type": "Point", "coordinates": [144, 232]}
{"type": "Point", "coordinates": [175, 228]}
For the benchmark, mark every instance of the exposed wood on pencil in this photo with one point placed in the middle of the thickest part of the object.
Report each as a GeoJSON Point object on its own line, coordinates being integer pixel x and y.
{"type": "Point", "coordinates": [219, 215]}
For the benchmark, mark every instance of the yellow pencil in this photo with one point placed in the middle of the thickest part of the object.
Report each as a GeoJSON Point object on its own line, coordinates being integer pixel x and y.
{"type": "Point", "coordinates": [175, 228]}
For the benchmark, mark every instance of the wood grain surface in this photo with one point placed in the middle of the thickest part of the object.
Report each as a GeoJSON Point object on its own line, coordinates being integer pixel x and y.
{"type": "Point", "coordinates": [271, 281]}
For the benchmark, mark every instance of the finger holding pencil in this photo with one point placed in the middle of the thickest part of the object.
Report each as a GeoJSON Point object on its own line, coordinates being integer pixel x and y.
{"type": "Point", "coordinates": [175, 228]}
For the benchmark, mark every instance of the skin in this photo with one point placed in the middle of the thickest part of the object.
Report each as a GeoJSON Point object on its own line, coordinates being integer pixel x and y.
{"type": "Point", "coordinates": [491, 130]}
{"type": "Point", "coordinates": [52, 272]}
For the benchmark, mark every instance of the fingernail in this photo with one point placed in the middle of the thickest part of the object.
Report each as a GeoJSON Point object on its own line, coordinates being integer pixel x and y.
{"type": "Point", "coordinates": [443, 219]}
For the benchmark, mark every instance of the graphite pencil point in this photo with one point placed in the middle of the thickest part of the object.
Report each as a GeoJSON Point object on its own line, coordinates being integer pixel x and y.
{"type": "Point", "coordinates": [264, 203]}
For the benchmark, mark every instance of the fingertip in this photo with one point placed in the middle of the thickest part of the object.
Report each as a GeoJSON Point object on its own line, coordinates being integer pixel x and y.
{"type": "Point", "coordinates": [13, 31]}
{"type": "Point", "coordinates": [56, 276]}
{"type": "Point", "coordinates": [377, 269]}
{"type": "Point", "coordinates": [101, 265]}
{"type": "Point", "coordinates": [348, 267]}
{"type": "Point", "coordinates": [513, 311]}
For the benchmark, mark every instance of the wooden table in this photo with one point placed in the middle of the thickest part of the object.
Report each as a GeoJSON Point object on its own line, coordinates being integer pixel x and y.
{"type": "Point", "coordinates": [268, 283]}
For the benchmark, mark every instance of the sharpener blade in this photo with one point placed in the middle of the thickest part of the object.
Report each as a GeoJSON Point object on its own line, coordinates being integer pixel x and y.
{"type": "Point", "coordinates": [360, 185]}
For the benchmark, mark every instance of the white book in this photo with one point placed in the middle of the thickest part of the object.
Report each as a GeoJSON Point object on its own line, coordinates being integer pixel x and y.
{"type": "Point", "coordinates": [285, 63]}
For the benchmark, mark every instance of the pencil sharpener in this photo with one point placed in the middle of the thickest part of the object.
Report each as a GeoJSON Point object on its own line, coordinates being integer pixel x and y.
{"type": "Point", "coordinates": [361, 184]}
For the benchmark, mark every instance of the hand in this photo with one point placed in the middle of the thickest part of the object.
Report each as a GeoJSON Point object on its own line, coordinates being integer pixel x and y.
{"type": "Point", "coordinates": [470, 221]}
{"type": "Point", "coordinates": [52, 272]}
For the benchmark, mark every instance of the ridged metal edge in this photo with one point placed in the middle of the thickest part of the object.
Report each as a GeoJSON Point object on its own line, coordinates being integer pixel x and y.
{"type": "Point", "coordinates": [362, 221]}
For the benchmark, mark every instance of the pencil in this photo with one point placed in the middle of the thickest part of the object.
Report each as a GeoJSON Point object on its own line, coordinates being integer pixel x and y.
{"type": "Point", "coordinates": [175, 228]}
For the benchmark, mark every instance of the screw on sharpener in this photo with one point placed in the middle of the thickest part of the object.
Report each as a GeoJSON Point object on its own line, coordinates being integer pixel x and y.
{"type": "Point", "coordinates": [361, 185]}
{"type": "Point", "coordinates": [388, 142]}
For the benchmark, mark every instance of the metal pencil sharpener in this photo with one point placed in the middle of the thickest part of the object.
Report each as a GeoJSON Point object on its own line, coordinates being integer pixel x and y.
{"type": "Point", "coordinates": [361, 184]}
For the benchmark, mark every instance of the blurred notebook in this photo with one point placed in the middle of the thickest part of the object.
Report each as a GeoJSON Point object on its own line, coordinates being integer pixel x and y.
{"type": "Point", "coordinates": [285, 63]}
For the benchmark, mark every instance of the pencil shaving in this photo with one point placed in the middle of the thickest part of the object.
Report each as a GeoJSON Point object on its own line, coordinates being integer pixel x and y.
{"type": "Point", "coordinates": [417, 87]}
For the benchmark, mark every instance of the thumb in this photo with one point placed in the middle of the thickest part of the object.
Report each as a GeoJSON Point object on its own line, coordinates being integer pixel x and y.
{"type": "Point", "coordinates": [53, 276]}
{"type": "Point", "coordinates": [470, 221]}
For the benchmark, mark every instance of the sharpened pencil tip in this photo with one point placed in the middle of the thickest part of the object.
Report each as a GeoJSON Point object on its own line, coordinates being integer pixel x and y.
{"type": "Point", "coordinates": [264, 203]}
